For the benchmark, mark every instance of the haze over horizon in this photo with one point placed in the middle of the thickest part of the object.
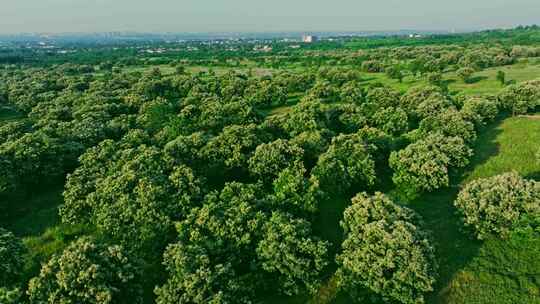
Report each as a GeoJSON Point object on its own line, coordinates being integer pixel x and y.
{"type": "Point", "coordinates": [60, 16]}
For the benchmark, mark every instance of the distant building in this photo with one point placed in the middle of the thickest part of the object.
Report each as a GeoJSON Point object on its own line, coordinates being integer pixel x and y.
{"type": "Point", "coordinates": [309, 38]}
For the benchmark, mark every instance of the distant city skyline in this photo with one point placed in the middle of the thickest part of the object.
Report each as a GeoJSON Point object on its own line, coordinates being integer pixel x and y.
{"type": "Point", "coordinates": [84, 16]}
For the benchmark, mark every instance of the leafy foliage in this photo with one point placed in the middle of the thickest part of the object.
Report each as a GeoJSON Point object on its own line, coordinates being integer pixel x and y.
{"type": "Point", "coordinates": [425, 164]}
{"type": "Point", "coordinates": [385, 252]}
{"type": "Point", "coordinates": [346, 163]}
{"type": "Point", "coordinates": [88, 272]}
{"type": "Point", "coordinates": [500, 204]}
{"type": "Point", "coordinates": [11, 258]}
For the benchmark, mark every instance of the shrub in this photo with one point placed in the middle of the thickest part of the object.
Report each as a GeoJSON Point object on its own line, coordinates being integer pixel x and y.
{"type": "Point", "coordinates": [500, 204]}
{"type": "Point", "coordinates": [385, 252]}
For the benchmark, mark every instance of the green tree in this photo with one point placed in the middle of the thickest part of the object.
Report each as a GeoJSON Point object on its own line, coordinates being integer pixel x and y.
{"type": "Point", "coordinates": [500, 204]}
{"type": "Point", "coordinates": [11, 258]}
{"type": "Point", "coordinates": [395, 72]}
{"type": "Point", "coordinates": [449, 123]}
{"type": "Point", "coordinates": [294, 193]}
{"type": "Point", "coordinates": [233, 147]}
{"type": "Point", "coordinates": [270, 159]}
{"type": "Point", "coordinates": [425, 164]}
{"type": "Point", "coordinates": [215, 244]}
{"type": "Point", "coordinates": [465, 74]}
{"type": "Point", "coordinates": [520, 98]}
{"type": "Point", "coordinates": [291, 255]}
{"type": "Point", "coordinates": [346, 163]}
{"type": "Point", "coordinates": [479, 110]}
{"type": "Point", "coordinates": [385, 252]}
{"type": "Point", "coordinates": [501, 77]}
{"type": "Point", "coordinates": [88, 272]}
{"type": "Point", "coordinates": [133, 197]}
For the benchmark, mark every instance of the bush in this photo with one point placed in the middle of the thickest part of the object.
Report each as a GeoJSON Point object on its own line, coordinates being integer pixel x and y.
{"type": "Point", "coordinates": [385, 252]}
{"type": "Point", "coordinates": [499, 205]}
{"type": "Point", "coordinates": [87, 272]}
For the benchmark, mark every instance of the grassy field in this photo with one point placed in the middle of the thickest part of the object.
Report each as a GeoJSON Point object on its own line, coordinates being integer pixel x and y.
{"type": "Point", "coordinates": [485, 81]}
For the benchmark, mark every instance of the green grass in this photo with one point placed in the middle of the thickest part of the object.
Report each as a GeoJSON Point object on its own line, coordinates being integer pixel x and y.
{"type": "Point", "coordinates": [516, 144]}
{"type": "Point", "coordinates": [168, 70]}
{"type": "Point", "coordinates": [485, 81]}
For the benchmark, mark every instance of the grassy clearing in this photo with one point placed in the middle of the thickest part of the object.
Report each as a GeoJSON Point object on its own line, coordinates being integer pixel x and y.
{"type": "Point", "coordinates": [517, 143]}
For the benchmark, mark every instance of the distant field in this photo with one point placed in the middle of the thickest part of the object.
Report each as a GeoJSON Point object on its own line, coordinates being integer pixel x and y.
{"type": "Point", "coordinates": [167, 69]}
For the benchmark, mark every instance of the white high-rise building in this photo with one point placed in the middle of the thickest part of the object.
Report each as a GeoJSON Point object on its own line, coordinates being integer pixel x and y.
{"type": "Point", "coordinates": [309, 38]}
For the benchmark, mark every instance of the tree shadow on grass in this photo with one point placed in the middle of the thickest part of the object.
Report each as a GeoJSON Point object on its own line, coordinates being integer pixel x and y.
{"type": "Point", "coordinates": [534, 175]}
{"type": "Point", "coordinates": [475, 79]}
{"type": "Point", "coordinates": [32, 209]}
{"type": "Point", "coordinates": [455, 248]}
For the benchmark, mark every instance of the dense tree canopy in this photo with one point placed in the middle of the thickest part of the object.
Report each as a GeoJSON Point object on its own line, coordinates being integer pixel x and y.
{"type": "Point", "coordinates": [347, 162]}
{"type": "Point", "coordinates": [88, 272]}
{"type": "Point", "coordinates": [425, 165]}
{"type": "Point", "coordinates": [217, 171]}
{"type": "Point", "coordinates": [385, 252]}
{"type": "Point", "coordinates": [500, 205]}
{"type": "Point", "coordinates": [11, 258]}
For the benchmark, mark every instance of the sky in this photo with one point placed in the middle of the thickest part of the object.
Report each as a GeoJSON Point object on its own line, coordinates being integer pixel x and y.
{"type": "Point", "coordinates": [56, 16]}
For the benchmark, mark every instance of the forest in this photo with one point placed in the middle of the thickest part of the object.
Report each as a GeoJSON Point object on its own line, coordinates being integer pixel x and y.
{"type": "Point", "coordinates": [387, 169]}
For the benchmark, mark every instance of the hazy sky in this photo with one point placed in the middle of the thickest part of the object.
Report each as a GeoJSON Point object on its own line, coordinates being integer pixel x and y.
{"type": "Point", "coordinates": [258, 15]}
